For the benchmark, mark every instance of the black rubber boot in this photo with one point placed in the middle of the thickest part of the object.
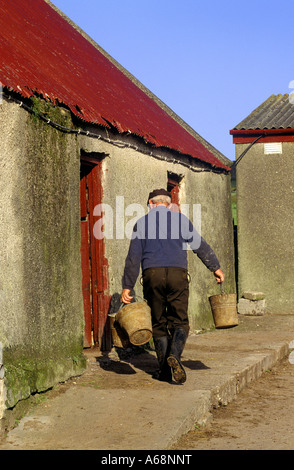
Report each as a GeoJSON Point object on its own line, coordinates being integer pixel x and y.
{"type": "Point", "coordinates": [162, 349]}
{"type": "Point", "coordinates": [174, 358]}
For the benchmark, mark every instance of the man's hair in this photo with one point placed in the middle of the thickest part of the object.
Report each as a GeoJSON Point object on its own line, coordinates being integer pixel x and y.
{"type": "Point", "coordinates": [159, 195]}
{"type": "Point", "coordinates": [161, 199]}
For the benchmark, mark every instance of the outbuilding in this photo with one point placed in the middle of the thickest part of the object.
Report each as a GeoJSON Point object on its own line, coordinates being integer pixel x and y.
{"type": "Point", "coordinates": [265, 201]}
{"type": "Point", "coordinates": [81, 138]}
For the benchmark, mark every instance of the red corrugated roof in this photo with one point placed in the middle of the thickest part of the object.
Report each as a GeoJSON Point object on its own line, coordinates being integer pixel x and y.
{"type": "Point", "coordinates": [41, 53]}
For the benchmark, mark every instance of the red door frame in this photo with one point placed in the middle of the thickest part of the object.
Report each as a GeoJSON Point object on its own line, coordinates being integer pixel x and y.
{"type": "Point", "coordinates": [94, 262]}
{"type": "Point", "coordinates": [173, 186]}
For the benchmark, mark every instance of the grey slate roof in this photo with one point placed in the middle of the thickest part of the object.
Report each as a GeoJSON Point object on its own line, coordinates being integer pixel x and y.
{"type": "Point", "coordinates": [277, 112]}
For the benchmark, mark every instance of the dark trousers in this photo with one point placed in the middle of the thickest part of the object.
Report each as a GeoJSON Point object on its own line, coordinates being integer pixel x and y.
{"type": "Point", "coordinates": [166, 291]}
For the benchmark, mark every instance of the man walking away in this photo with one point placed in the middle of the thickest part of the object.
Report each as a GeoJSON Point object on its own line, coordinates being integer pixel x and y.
{"type": "Point", "coordinates": [159, 246]}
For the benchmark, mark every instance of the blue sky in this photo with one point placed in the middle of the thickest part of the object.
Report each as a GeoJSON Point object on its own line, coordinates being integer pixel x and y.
{"type": "Point", "coordinates": [212, 62]}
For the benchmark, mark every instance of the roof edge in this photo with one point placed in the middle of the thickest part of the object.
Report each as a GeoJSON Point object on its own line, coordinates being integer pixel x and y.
{"type": "Point", "coordinates": [225, 162]}
{"type": "Point", "coordinates": [265, 131]}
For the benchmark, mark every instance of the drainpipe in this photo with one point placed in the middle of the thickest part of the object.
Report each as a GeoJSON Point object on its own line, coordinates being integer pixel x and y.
{"type": "Point", "coordinates": [235, 163]}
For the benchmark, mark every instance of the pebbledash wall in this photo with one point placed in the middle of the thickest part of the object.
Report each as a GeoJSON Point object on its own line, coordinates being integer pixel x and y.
{"type": "Point", "coordinates": [42, 320]}
{"type": "Point", "coordinates": [132, 174]}
{"type": "Point", "coordinates": [265, 201]}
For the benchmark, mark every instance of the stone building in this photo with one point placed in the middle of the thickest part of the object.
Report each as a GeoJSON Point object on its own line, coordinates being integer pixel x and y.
{"type": "Point", "coordinates": [265, 203]}
{"type": "Point", "coordinates": [80, 137]}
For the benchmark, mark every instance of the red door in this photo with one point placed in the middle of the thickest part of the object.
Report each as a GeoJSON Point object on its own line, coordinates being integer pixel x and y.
{"type": "Point", "coordinates": [85, 259]}
{"type": "Point", "coordinates": [94, 263]}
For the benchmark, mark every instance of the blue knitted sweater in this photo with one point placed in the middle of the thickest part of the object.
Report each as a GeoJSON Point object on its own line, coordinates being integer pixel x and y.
{"type": "Point", "coordinates": [161, 239]}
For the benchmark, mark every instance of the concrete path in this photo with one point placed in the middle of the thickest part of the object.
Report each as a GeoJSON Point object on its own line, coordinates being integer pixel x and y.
{"type": "Point", "coordinates": [116, 405]}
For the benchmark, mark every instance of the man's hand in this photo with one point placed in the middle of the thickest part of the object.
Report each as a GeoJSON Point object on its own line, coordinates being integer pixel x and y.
{"type": "Point", "coordinates": [220, 277]}
{"type": "Point", "coordinates": [125, 297]}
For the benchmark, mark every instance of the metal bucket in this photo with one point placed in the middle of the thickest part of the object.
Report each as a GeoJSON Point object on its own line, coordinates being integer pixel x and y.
{"type": "Point", "coordinates": [120, 338]}
{"type": "Point", "coordinates": [224, 310]}
{"type": "Point", "coordinates": [135, 319]}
